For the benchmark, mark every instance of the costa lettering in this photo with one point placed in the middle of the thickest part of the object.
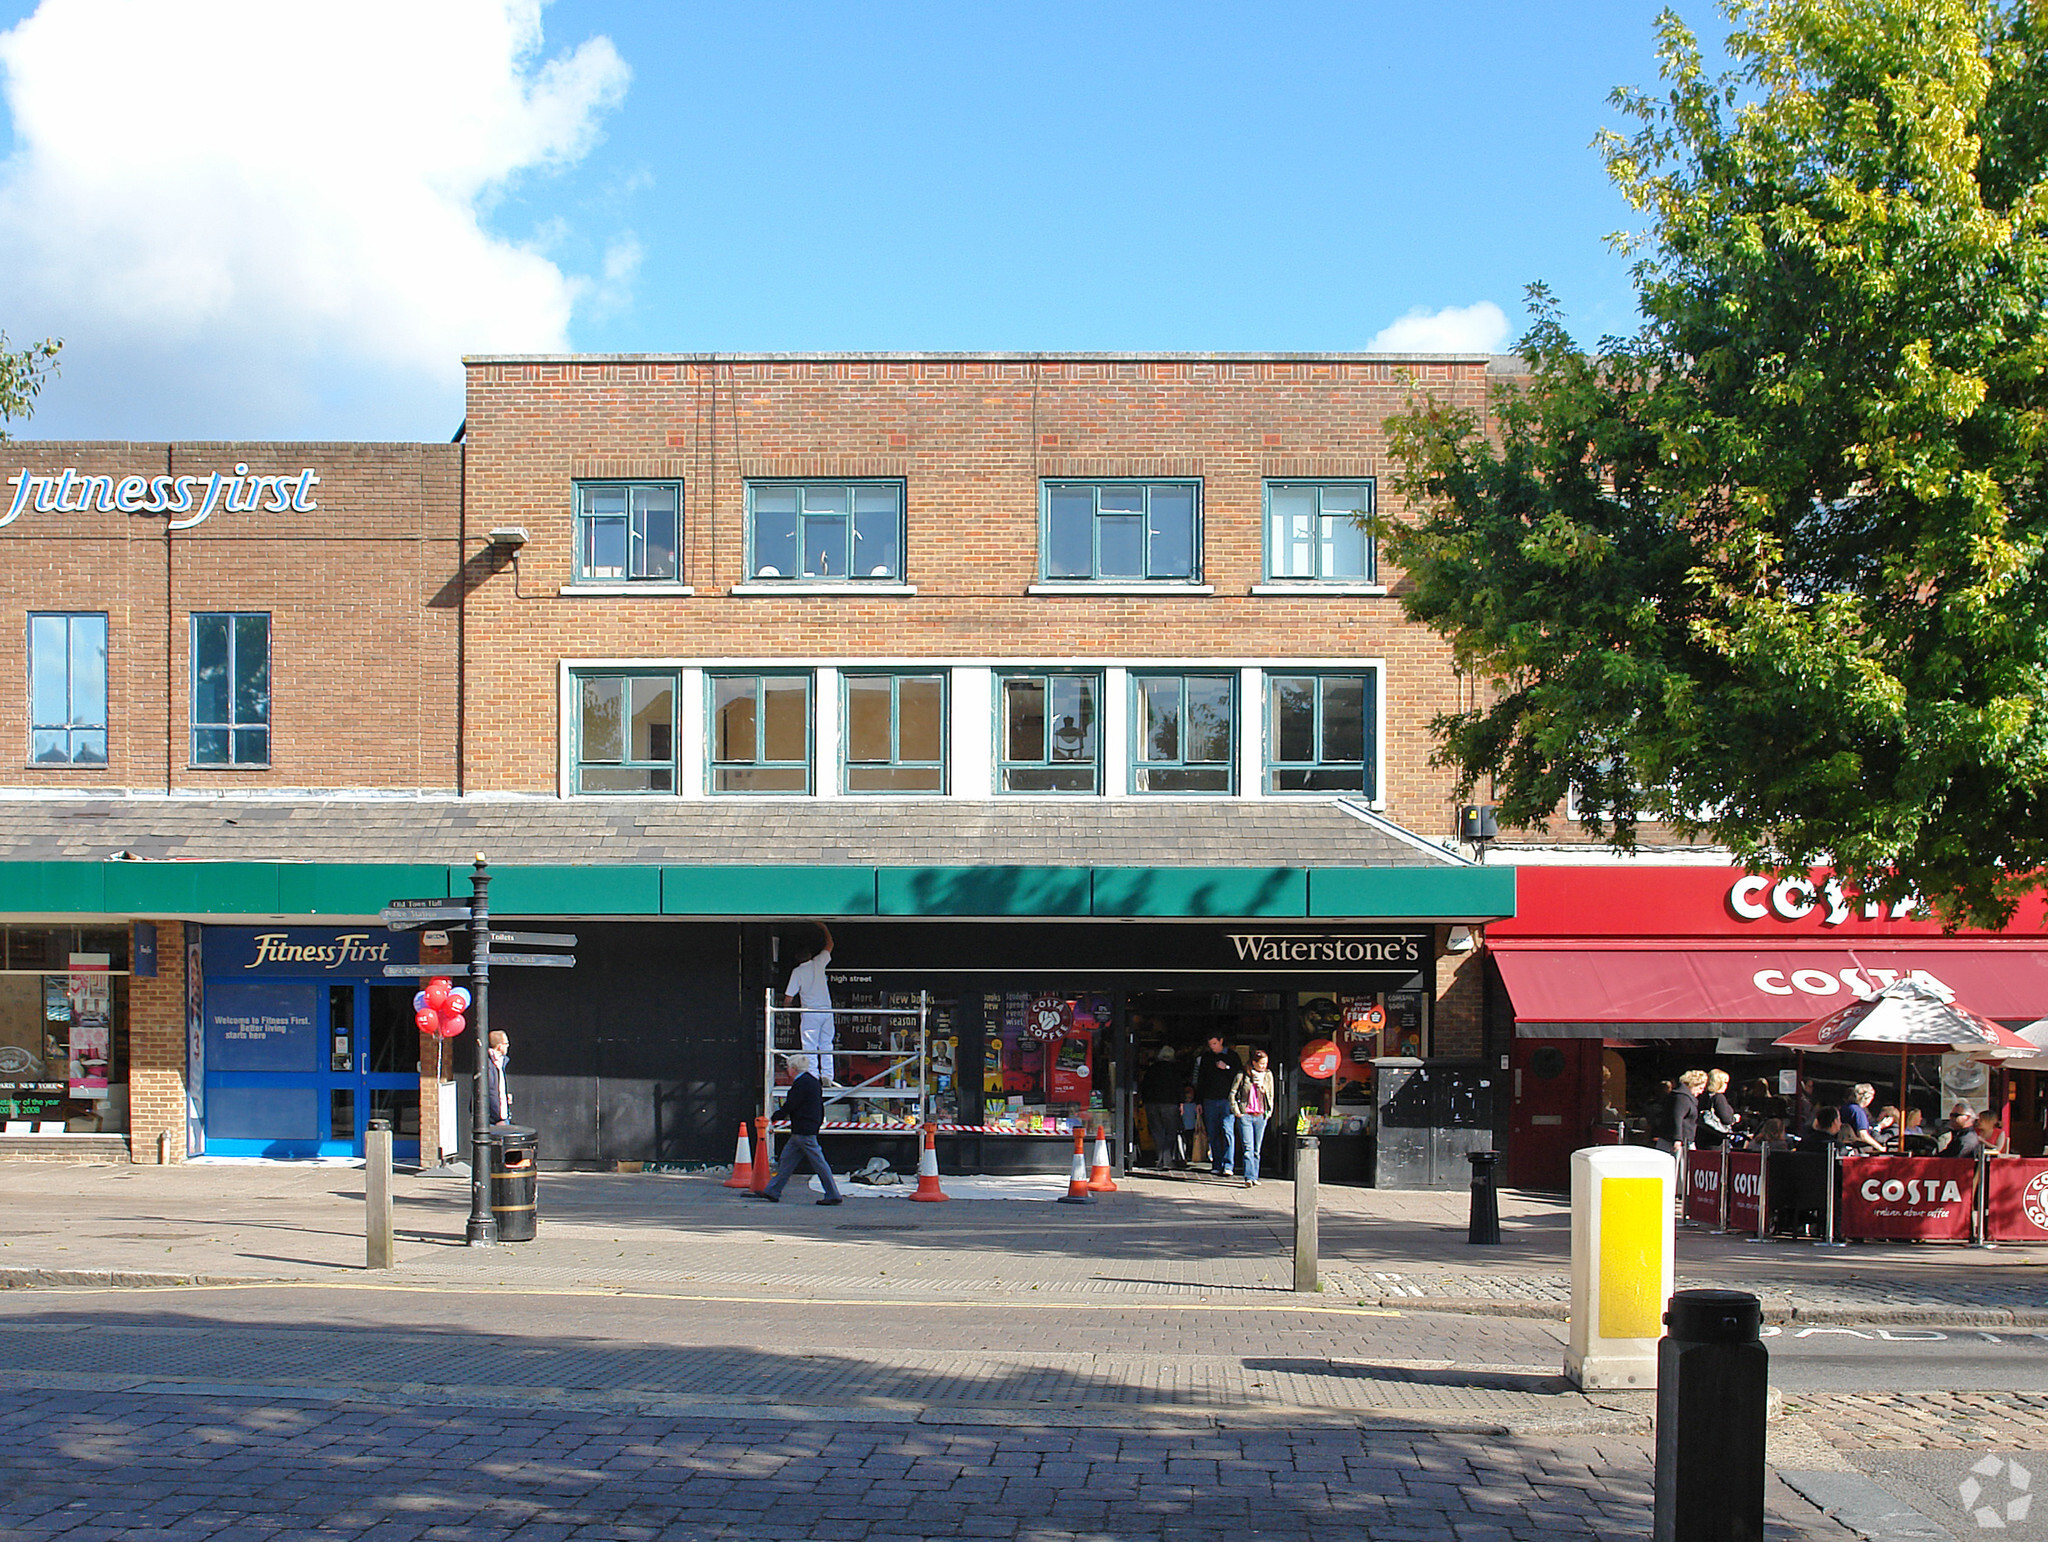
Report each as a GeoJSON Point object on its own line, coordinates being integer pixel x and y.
{"type": "Point", "coordinates": [1912, 1191]}
{"type": "Point", "coordinates": [192, 498]}
{"type": "Point", "coordinates": [1819, 982]}
{"type": "Point", "coordinates": [1756, 898]}
{"type": "Point", "coordinates": [1282, 948]}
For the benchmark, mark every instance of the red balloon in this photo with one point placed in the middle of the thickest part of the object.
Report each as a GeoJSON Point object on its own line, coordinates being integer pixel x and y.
{"type": "Point", "coordinates": [452, 1025]}
{"type": "Point", "coordinates": [429, 1021]}
{"type": "Point", "coordinates": [437, 994]}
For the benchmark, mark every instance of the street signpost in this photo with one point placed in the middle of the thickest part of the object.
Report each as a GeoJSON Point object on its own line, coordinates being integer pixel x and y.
{"type": "Point", "coordinates": [475, 918]}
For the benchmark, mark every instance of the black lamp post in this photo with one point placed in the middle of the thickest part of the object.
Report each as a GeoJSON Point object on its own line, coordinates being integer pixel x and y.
{"type": "Point", "coordinates": [483, 1226]}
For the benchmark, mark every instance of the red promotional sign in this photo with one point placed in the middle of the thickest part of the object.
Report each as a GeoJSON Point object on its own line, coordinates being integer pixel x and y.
{"type": "Point", "coordinates": [1703, 1188]}
{"type": "Point", "coordinates": [1925, 1197]}
{"type": "Point", "coordinates": [2017, 1205]}
{"type": "Point", "coordinates": [1745, 1190]}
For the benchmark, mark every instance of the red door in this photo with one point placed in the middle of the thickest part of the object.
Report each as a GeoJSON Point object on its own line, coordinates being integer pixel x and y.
{"type": "Point", "coordinates": [1555, 1096]}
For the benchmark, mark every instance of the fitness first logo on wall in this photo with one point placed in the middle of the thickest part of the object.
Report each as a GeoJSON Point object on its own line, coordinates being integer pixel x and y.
{"type": "Point", "coordinates": [192, 499]}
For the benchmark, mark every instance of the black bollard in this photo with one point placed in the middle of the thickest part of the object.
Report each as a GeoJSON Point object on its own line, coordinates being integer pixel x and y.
{"type": "Point", "coordinates": [1485, 1226]}
{"type": "Point", "coordinates": [1713, 1384]}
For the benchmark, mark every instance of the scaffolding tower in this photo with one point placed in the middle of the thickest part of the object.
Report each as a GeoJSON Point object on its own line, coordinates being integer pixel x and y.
{"type": "Point", "coordinates": [895, 1027]}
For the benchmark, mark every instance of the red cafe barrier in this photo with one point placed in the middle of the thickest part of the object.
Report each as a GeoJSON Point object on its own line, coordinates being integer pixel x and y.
{"type": "Point", "coordinates": [1745, 1184]}
{"type": "Point", "coordinates": [1886, 1197]}
{"type": "Point", "coordinates": [2017, 1207]}
{"type": "Point", "coordinates": [1703, 1188]}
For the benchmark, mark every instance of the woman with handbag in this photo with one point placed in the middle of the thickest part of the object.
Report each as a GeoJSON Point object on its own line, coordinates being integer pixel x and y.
{"type": "Point", "coordinates": [1251, 1104]}
{"type": "Point", "coordinates": [1717, 1114]}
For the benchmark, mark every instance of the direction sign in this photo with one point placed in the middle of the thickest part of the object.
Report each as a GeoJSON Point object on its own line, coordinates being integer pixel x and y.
{"type": "Point", "coordinates": [426, 971]}
{"type": "Point", "coordinates": [404, 915]}
{"type": "Point", "coordinates": [535, 939]}
{"type": "Point", "coordinates": [542, 960]}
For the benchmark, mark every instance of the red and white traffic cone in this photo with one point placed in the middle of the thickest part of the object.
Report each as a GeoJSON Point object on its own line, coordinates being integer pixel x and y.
{"type": "Point", "coordinates": [1077, 1179]}
{"type": "Point", "coordinates": [928, 1191]}
{"type": "Point", "coordinates": [766, 1159]}
{"type": "Point", "coordinates": [1099, 1179]}
{"type": "Point", "coordinates": [742, 1162]}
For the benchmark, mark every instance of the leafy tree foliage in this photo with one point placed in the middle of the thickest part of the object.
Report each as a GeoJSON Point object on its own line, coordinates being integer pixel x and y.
{"type": "Point", "coordinates": [1772, 568]}
{"type": "Point", "coordinates": [21, 377]}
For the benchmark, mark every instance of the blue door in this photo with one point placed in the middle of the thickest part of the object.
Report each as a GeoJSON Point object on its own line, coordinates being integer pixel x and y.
{"type": "Point", "coordinates": [298, 1068]}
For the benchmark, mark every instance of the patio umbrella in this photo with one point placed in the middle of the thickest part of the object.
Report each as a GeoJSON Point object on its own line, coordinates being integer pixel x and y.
{"type": "Point", "coordinates": [1915, 1016]}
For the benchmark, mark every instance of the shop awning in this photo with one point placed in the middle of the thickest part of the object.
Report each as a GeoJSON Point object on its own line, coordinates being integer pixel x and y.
{"type": "Point", "coordinates": [1662, 991]}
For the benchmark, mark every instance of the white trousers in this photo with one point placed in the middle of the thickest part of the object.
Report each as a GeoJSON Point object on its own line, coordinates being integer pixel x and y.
{"type": "Point", "coordinates": [817, 1043]}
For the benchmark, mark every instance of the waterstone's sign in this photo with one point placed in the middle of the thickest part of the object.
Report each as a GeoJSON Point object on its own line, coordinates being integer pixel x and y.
{"type": "Point", "coordinates": [191, 498]}
{"type": "Point", "coordinates": [1327, 948]}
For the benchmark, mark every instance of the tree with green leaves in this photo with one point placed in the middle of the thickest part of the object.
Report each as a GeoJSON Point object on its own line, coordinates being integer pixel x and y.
{"type": "Point", "coordinates": [1774, 568]}
{"type": "Point", "coordinates": [21, 377]}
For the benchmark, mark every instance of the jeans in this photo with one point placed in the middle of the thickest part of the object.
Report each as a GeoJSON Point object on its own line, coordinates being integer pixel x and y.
{"type": "Point", "coordinates": [1251, 1141]}
{"type": "Point", "coordinates": [806, 1148]}
{"type": "Point", "coordinates": [1221, 1124]}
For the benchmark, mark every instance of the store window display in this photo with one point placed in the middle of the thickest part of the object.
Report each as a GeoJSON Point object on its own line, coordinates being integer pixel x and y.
{"type": "Point", "coordinates": [63, 1028]}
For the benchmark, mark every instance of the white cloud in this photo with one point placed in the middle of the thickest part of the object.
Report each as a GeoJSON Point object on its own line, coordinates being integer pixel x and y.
{"type": "Point", "coordinates": [1481, 328]}
{"type": "Point", "coordinates": [253, 218]}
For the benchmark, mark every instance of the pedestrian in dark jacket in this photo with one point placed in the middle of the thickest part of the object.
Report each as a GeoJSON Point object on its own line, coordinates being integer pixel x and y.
{"type": "Point", "coordinates": [1678, 1118]}
{"type": "Point", "coordinates": [1217, 1069]}
{"type": "Point", "coordinates": [804, 1108]}
{"type": "Point", "coordinates": [1716, 1114]}
{"type": "Point", "coordinates": [1163, 1089]}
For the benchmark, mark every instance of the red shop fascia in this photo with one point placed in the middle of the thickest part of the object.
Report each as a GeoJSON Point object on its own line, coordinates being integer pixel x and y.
{"type": "Point", "coordinates": [1605, 958]}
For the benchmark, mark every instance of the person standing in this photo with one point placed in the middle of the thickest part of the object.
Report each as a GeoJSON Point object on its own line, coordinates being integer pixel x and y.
{"type": "Point", "coordinates": [1717, 1114]}
{"type": "Point", "coordinates": [1217, 1069]}
{"type": "Point", "coordinates": [804, 1108]}
{"type": "Point", "coordinates": [809, 989]}
{"type": "Point", "coordinates": [1162, 1090]}
{"type": "Point", "coordinates": [1678, 1114]}
{"type": "Point", "coordinates": [1251, 1103]}
{"type": "Point", "coordinates": [497, 1096]}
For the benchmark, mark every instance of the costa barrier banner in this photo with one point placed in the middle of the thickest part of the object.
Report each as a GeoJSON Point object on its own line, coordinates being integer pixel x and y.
{"type": "Point", "coordinates": [2016, 1209]}
{"type": "Point", "coordinates": [1703, 1188]}
{"type": "Point", "coordinates": [1885, 1197]}
{"type": "Point", "coordinates": [1745, 1184]}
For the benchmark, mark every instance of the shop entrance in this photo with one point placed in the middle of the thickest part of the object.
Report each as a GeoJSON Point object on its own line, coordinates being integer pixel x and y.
{"type": "Point", "coordinates": [1184, 1021]}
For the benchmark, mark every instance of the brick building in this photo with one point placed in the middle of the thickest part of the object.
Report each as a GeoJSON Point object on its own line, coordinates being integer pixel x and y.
{"type": "Point", "coordinates": [1051, 683]}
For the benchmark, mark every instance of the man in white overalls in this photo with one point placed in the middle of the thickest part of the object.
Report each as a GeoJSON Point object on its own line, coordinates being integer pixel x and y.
{"type": "Point", "coordinates": [808, 988]}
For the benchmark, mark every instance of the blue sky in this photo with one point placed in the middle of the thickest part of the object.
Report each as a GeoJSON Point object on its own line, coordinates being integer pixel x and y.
{"type": "Point", "coordinates": [260, 261]}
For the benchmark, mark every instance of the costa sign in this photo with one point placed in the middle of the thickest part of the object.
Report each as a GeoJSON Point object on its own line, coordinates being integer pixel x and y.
{"type": "Point", "coordinates": [1756, 898]}
{"type": "Point", "coordinates": [2016, 1201]}
{"type": "Point", "coordinates": [192, 498]}
{"type": "Point", "coordinates": [1858, 980]}
{"type": "Point", "coordinates": [1925, 1197]}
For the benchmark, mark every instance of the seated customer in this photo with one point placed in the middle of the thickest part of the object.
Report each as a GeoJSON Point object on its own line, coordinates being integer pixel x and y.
{"type": "Point", "coordinates": [1856, 1132]}
{"type": "Point", "coordinates": [1990, 1135]}
{"type": "Point", "coordinates": [1961, 1140]}
{"type": "Point", "coordinates": [1825, 1131]}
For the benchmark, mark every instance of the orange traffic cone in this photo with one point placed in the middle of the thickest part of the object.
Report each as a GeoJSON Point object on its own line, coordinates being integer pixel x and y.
{"type": "Point", "coordinates": [767, 1158]}
{"type": "Point", "coordinates": [1077, 1180]}
{"type": "Point", "coordinates": [742, 1162]}
{"type": "Point", "coordinates": [928, 1190]}
{"type": "Point", "coordinates": [1099, 1179]}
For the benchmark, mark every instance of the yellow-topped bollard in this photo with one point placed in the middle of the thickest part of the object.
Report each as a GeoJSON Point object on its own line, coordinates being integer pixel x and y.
{"type": "Point", "coordinates": [1622, 1235]}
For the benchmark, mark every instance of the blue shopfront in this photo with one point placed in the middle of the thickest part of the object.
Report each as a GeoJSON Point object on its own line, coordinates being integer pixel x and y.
{"type": "Point", "coordinates": [301, 1040]}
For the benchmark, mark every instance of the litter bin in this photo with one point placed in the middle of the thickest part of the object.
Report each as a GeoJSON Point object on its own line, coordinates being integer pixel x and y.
{"type": "Point", "coordinates": [515, 1170]}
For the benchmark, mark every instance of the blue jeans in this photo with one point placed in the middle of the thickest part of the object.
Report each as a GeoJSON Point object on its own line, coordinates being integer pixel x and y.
{"type": "Point", "coordinates": [1251, 1141]}
{"type": "Point", "coordinates": [1221, 1125]}
{"type": "Point", "coordinates": [807, 1148]}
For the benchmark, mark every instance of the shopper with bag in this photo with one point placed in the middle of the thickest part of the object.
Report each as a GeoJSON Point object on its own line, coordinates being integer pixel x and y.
{"type": "Point", "coordinates": [1716, 1114]}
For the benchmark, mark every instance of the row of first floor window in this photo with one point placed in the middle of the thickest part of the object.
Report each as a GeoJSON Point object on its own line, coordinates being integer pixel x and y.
{"type": "Point", "coordinates": [229, 688]}
{"type": "Point", "coordinates": [903, 730]}
{"type": "Point", "coordinates": [854, 531]}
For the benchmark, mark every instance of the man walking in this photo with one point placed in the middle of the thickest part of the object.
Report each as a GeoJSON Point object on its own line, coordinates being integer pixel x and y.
{"type": "Point", "coordinates": [804, 1108]}
{"type": "Point", "coordinates": [1216, 1072]}
{"type": "Point", "coordinates": [1163, 1088]}
{"type": "Point", "coordinates": [809, 988]}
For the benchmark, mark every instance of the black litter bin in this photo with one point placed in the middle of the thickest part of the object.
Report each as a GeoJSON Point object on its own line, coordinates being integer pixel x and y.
{"type": "Point", "coordinates": [515, 1170]}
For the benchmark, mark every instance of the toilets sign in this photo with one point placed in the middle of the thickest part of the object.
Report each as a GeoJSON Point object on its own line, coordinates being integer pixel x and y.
{"type": "Point", "coordinates": [190, 500]}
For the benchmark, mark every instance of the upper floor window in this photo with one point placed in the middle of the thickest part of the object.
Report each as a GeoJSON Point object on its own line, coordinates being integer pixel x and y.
{"type": "Point", "coordinates": [67, 689]}
{"type": "Point", "coordinates": [627, 531]}
{"type": "Point", "coordinates": [1183, 735]}
{"type": "Point", "coordinates": [1137, 531]}
{"type": "Point", "coordinates": [825, 530]}
{"type": "Point", "coordinates": [1319, 733]}
{"type": "Point", "coordinates": [760, 733]}
{"type": "Point", "coordinates": [231, 688]}
{"type": "Point", "coordinates": [626, 733]}
{"type": "Point", "coordinates": [1316, 530]}
{"type": "Point", "coordinates": [1049, 734]}
{"type": "Point", "coordinates": [895, 733]}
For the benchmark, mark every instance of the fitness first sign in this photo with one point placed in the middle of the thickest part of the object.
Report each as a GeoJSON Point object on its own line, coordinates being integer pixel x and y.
{"type": "Point", "coordinates": [189, 499]}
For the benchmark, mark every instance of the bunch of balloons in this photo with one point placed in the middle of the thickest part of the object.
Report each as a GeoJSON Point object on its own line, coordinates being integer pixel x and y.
{"type": "Point", "coordinates": [438, 1009]}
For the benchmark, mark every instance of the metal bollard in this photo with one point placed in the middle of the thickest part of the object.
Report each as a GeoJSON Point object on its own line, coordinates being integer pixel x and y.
{"type": "Point", "coordinates": [1307, 1169]}
{"type": "Point", "coordinates": [1713, 1383]}
{"type": "Point", "coordinates": [1484, 1226]}
{"type": "Point", "coordinates": [377, 1194]}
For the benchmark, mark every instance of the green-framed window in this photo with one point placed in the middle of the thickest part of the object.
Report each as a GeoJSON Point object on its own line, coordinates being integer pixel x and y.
{"type": "Point", "coordinates": [1049, 729]}
{"type": "Point", "coordinates": [895, 733]}
{"type": "Point", "coordinates": [628, 532]}
{"type": "Point", "coordinates": [1121, 531]}
{"type": "Point", "coordinates": [67, 688]}
{"type": "Point", "coordinates": [825, 531]}
{"type": "Point", "coordinates": [1183, 733]}
{"type": "Point", "coordinates": [760, 732]}
{"type": "Point", "coordinates": [1320, 733]}
{"type": "Point", "coordinates": [625, 733]}
{"type": "Point", "coordinates": [1316, 530]}
{"type": "Point", "coordinates": [230, 688]}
